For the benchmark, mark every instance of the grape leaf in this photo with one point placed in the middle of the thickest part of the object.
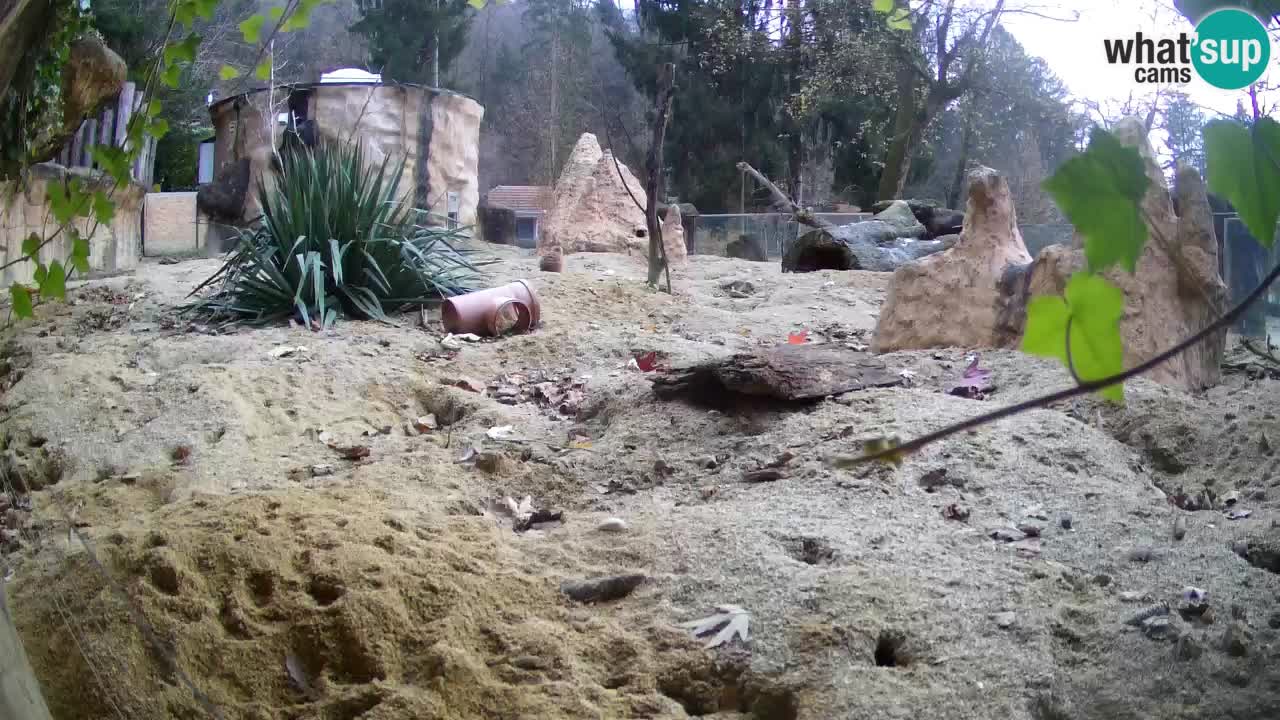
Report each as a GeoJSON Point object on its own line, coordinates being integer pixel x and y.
{"type": "Point", "coordinates": [104, 210]}
{"type": "Point", "coordinates": [1244, 168]}
{"type": "Point", "coordinates": [1092, 307]}
{"type": "Point", "coordinates": [185, 13]}
{"type": "Point", "coordinates": [477, 4]}
{"type": "Point", "coordinates": [113, 162]}
{"type": "Point", "coordinates": [1101, 192]}
{"type": "Point", "coordinates": [883, 6]}
{"type": "Point", "coordinates": [276, 13]}
{"type": "Point", "coordinates": [158, 128]}
{"type": "Point", "coordinates": [54, 282]}
{"type": "Point", "coordinates": [31, 245]}
{"type": "Point", "coordinates": [65, 201]}
{"type": "Point", "coordinates": [171, 76]}
{"type": "Point", "coordinates": [184, 51]}
{"type": "Point", "coordinates": [228, 73]}
{"type": "Point", "coordinates": [21, 297]}
{"type": "Point", "coordinates": [205, 8]}
{"type": "Point", "coordinates": [263, 71]}
{"type": "Point", "coordinates": [79, 252]}
{"type": "Point", "coordinates": [900, 20]}
{"type": "Point", "coordinates": [251, 28]}
{"type": "Point", "coordinates": [153, 108]}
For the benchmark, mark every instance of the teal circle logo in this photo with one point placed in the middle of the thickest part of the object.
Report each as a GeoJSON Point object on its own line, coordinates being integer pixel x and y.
{"type": "Point", "coordinates": [1232, 49]}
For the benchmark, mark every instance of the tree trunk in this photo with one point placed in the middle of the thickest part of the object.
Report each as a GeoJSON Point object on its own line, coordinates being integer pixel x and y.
{"type": "Point", "coordinates": [966, 140]}
{"type": "Point", "coordinates": [906, 130]}
{"type": "Point", "coordinates": [653, 177]}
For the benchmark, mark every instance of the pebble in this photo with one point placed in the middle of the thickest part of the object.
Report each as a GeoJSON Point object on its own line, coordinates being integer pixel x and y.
{"type": "Point", "coordinates": [1029, 529]}
{"type": "Point", "coordinates": [1159, 628]}
{"type": "Point", "coordinates": [1064, 521]}
{"type": "Point", "coordinates": [1004, 620]}
{"type": "Point", "coordinates": [321, 470]}
{"type": "Point", "coordinates": [612, 524]}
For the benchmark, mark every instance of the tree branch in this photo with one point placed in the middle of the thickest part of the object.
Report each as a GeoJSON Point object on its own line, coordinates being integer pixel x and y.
{"type": "Point", "coordinates": [801, 215]}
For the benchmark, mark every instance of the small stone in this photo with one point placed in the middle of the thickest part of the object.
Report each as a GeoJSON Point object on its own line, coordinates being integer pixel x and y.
{"type": "Point", "coordinates": [1142, 554]}
{"type": "Point", "coordinates": [1160, 627]}
{"type": "Point", "coordinates": [530, 662]}
{"type": "Point", "coordinates": [602, 589]}
{"type": "Point", "coordinates": [1064, 521]}
{"type": "Point", "coordinates": [1179, 527]}
{"type": "Point", "coordinates": [662, 469]}
{"type": "Point", "coordinates": [321, 470]}
{"type": "Point", "coordinates": [1241, 548]}
{"type": "Point", "coordinates": [612, 524]}
{"type": "Point", "coordinates": [709, 462]}
{"type": "Point", "coordinates": [708, 492]}
{"type": "Point", "coordinates": [1231, 498]}
{"type": "Point", "coordinates": [1235, 640]}
{"type": "Point", "coordinates": [425, 424]}
{"type": "Point", "coordinates": [1004, 534]}
{"type": "Point", "coordinates": [1004, 620]}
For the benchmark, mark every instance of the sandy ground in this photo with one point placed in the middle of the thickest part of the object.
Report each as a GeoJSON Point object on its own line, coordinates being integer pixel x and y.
{"type": "Point", "coordinates": [385, 589]}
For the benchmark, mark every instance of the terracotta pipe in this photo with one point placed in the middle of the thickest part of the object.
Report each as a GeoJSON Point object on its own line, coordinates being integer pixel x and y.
{"type": "Point", "coordinates": [479, 312]}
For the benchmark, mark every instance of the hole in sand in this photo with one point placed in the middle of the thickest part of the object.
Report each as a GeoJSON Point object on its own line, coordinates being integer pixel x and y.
{"type": "Point", "coordinates": [165, 577]}
{"type": "Point", "coordinates": [811, 550]}
{"type": "Point", "coordinates": [262, 586]}
{"type": "Point", "coordinates": [325, 590]}
{"type": "Point", "coordinates": [890, 651]}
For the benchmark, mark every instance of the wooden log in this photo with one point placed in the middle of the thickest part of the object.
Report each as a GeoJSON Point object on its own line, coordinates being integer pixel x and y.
{"type": "Point", "coordinates": [785, 372]}
{"type": "Point", "coordinates": [124, 110]}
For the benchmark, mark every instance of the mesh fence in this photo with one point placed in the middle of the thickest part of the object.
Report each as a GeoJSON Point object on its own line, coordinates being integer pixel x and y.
{"type": "Point", "coordinates": [774, 232]}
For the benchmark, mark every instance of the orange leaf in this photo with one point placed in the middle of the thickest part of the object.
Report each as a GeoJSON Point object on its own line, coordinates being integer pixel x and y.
{"type": "Point", "coordinates": [798, 338]}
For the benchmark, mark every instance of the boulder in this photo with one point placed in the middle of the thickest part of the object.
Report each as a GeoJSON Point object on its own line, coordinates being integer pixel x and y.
{"type": "Point", "coordinates": [870, 245]}
{"type": "Point", "coordinates": [936, 219]}
{"type": "Point", "coordinates": [673, 237]}
{"type": "Point", "coordinates": [899, 218]}
{"type": "Point", "coordinates": [597, 205]}
{"type": "Point", "coordinates": [1176, 289]}
{"type": "Point", "coordinates": [971, 295]}
{"type": "Point", "coordinates": [917, 205]}
{"type": "Point", "coordinates": [93, 74]}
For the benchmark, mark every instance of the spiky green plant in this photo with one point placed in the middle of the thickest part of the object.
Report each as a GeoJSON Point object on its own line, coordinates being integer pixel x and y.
{"type": "Point", "coordinates": [335, 238]}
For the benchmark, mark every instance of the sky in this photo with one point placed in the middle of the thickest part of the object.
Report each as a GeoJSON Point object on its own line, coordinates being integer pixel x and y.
{"type": "Point", "coordinates": [1074, 50]}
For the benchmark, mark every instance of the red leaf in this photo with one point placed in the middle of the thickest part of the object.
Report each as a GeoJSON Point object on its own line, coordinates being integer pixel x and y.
{"type": "Point", "coordinates": [647, 361]}
{"type": "Point", "coordinates": [798, 338]}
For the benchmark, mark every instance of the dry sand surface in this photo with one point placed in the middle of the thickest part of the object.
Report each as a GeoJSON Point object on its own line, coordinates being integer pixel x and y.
{"type": "Point", "coordinates": [194, 466]}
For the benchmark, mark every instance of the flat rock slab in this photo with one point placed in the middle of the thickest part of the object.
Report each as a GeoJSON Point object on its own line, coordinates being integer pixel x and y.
{"type": "Point", "coordinates": [786, 372]}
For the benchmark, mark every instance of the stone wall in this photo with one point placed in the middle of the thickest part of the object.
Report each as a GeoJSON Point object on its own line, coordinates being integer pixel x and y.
{"type": "Point", "coordinates": [112, 248]}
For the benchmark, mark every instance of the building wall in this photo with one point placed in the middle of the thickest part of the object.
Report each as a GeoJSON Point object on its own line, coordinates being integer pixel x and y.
{"type": "Point", "coordinates": [113, 247]}
{"type": "Point", "coordinates": [172, 226]}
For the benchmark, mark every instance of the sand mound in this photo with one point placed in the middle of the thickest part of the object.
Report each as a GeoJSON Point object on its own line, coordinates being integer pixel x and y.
{"type": "Point", "coordinates": [325, 604]}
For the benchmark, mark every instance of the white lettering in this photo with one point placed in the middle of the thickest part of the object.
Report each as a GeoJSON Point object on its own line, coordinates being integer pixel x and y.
{"type": "Point", "coordinates": [1252, 54]}
{"type": "Point", "coordinates": [1209, 51]}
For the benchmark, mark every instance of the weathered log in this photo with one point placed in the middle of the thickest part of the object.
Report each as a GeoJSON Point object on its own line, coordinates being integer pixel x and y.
{"type": "Point", "coordinates": [785, 372]}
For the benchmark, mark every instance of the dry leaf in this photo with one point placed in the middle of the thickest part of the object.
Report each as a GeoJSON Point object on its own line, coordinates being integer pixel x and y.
{"type": "Point", "coordinates": [647, 361]}
{"type": "Point", "coordinates": [731, 620]}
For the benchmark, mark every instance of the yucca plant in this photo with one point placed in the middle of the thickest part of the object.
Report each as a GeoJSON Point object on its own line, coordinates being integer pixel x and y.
{"type": "Point", "coordinates": [335, 238]}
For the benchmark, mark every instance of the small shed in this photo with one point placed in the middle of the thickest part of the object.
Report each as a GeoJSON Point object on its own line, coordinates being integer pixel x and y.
{"type": "Point", "coordinates": [529, 202]}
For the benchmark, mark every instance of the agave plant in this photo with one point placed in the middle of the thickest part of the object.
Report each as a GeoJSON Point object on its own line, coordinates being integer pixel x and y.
{"type": "Point", "coordinates": [335, 238]}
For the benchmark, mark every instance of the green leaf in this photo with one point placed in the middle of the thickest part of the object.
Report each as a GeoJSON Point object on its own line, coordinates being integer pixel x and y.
{"type": "Point", "coordinates": [1093, 307]}
{"type": "Point", "coordinates": [62, 202]}
{"type": "Point", "coordinates": [79, 253]}
{"type": "Point", "coordinates": [40, 273]}
{"type": "Point", "coordinates": [901, 20]}
{"type": "Point", "coordinates": [251, 29]}
{"type": "Point", "coordinates": [1244, 168]}
{"type": "Point", "coordinates": [206, 8]}
{"type": "Point", "coordinates": [275, 13]}
{"type": "Point", "coordinates": [228, 73]}
{"type": "Point", "coordinates": [158, 128]}
{"type": "Point", "coordinates": [1101, 192]}
{"type": "Point", "coordinates": [185, 13]}
{"type": "Point", "coordinates": [104, 210]}
{"type": "Point", "coordinates": [184, 51]}
{"type": "Point", "coordinates": [171, 76]}
{"type": "Point", "coordinates": [883, 6]}
{"type": "Point", "coordinates": [263, 71]}
{"type": "Point", "coordinates": [21, 297]}
{"type": "Point", "coordinates": [113, 161]}
{"type": "Point", "coordinates": [153, 108]}
{"type": "Point", "coordinates": [31, 245]}
{"type": "Point", "coordinates": [54, 283]}
{"type": "Point", "coordinates": [477, 4]}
